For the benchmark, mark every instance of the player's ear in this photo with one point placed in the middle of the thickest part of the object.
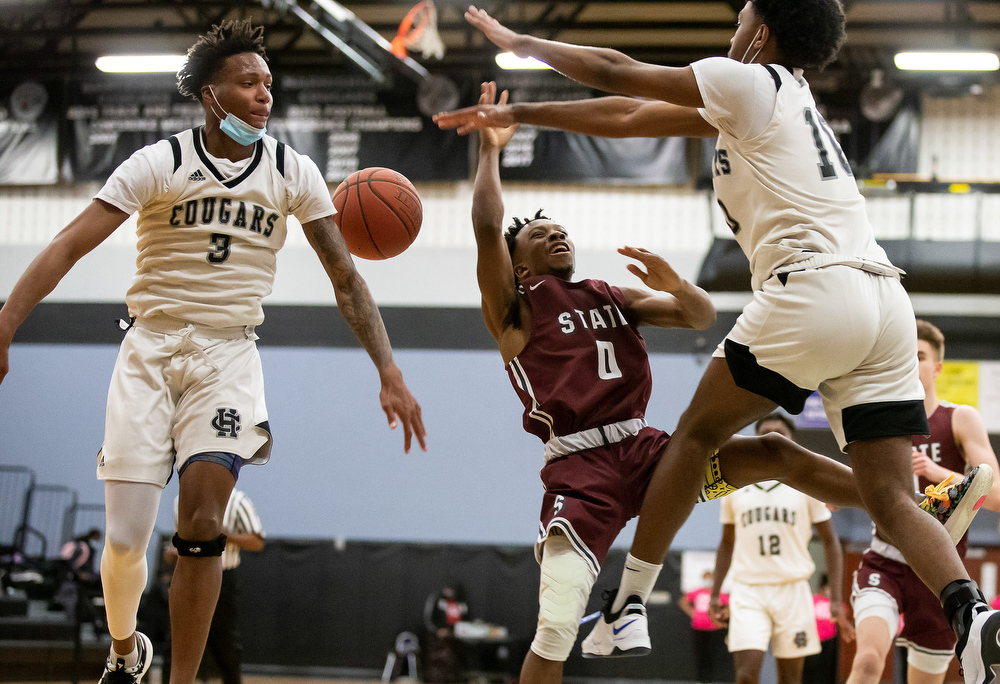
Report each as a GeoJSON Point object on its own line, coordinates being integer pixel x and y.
{"type": "Point", "coordinates": [521, 271]}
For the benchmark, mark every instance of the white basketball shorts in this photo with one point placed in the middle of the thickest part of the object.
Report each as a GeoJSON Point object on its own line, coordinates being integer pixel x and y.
{"type": "Point", "coordinates": [779, 614]}
{"type": "Point", "coordinates": [846, 332]}
{"type": "Point", "coordinates": [182, 393]}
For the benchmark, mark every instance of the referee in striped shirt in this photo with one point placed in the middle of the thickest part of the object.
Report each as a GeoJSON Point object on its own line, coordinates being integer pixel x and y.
{"type": "Point", "coordinates": [243, 532]}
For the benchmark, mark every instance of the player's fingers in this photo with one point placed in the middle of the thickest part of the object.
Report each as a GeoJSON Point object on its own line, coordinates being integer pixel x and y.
{"type": "Point", "coordinates": [638, 272]}
{"type": "Point", "coordinates": [503, 97]}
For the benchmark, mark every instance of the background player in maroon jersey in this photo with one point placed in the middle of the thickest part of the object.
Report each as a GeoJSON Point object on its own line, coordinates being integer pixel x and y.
{"type": "Point", "coordinates": [577, 361]}
{"type": "Point", "coordinates": [884, 585]}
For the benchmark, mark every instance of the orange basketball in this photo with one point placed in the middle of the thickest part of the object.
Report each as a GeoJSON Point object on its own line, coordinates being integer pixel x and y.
{"type": "Point", "coordinates": [378, 211]}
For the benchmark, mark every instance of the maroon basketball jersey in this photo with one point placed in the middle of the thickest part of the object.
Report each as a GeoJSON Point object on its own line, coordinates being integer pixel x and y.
{"type": "Point", "coordinates": [940, 447]}
{"type": "Point", "coordinates": [585, 364]}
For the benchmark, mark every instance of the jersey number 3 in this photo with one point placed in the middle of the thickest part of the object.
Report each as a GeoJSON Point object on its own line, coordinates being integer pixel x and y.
{"type": "Point", "coordinates": [607, 364]}
{"type": "Point", "coordinates": [219, 247]}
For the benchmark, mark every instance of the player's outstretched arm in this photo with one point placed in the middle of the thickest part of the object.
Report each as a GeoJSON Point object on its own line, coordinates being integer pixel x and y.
{"type": "Point", "coordinates": [494, 269]}
{"type": "Point", "coordinates": [83, 234]}
{"type": "Point", "coordinates": [974, 443]}
{"type": "Point", "coordinates": [607, 117]}
{"type": "Point", "coordinates": [359, 310]}
{"type": "Point", "coordinates": [718, 613]}
{"type": "Point", "coordinates": [602, 68]}
{"type": "Point", "coordinates": [834, 555]}
{"type": "Point", "coordinates": [684, 306]}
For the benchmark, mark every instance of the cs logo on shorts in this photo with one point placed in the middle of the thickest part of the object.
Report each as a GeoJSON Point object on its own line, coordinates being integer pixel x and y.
{"type": "Point", "coordinates": [226, 422]}
{"type": "Point", "coordinates": [801, 640]}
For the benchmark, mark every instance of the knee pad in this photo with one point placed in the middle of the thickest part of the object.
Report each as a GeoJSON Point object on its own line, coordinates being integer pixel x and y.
{"type": "Point", "coordinates": [200, 549]}
{"type": "Point", "coordinates": [566, 581]}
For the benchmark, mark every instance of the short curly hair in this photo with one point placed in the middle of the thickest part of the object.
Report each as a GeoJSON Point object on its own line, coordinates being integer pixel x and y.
{"type": "Point", "coordinates": [514, 228]}
{"type": "Point", "coordinates": [207, 56]}
{"type": "Point", "coordinates": [809, 32]}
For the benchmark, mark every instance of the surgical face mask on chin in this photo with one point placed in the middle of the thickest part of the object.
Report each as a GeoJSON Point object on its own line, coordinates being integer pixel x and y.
{"type": "Point", "coordinates": [743, 59]}
{"type": "Point", "coordinates": [235, 127]}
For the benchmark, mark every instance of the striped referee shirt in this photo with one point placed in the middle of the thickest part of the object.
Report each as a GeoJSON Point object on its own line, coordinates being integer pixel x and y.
{"type": "Point", "coordinates": [240, 518]}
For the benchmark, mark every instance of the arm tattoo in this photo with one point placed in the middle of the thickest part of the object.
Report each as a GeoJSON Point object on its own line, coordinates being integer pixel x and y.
{"type": "Point", "coordinates": [353, 297]}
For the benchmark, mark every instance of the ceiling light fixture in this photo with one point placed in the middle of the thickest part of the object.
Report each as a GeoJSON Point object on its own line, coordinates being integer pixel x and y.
{"type": "Point", "coordinates": [140, 64]}
{"type": "Point", "coordinates": [947, 61]}
{"type": "Point", "coordinates": [508, 60]}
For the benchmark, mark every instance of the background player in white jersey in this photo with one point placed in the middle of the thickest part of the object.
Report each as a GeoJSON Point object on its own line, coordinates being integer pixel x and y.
{"type": "Point", "coordinates": [828, 312]}
{"type": "Point", "coordinates": [885, 587]}
{"type": "Point", "coordinates": [187, 386]}
{"type": "Point", "coordinates": [766, 528]}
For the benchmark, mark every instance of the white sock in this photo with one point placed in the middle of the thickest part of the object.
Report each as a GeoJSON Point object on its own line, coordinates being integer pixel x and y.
{"type": "Point", "coordinates": [131, 659]}
{"type": "Point", "coordinates": [638, 579]}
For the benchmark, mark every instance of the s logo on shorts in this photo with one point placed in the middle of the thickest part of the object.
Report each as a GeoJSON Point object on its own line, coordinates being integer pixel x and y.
{"type": "Point", "coordinates": [558, 505]}
{"type": "Point", "coordinates": [874, 579]}
{"type": "Point", "coordinates": [226, 422]}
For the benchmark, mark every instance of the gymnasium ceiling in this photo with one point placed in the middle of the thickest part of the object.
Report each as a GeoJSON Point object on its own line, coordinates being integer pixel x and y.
{"type": "Point", "coordinates": [56, 37]}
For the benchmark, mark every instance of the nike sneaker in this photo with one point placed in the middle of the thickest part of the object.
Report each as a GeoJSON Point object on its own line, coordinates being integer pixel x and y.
{"type": "Point", "coordinates": [619, 635]}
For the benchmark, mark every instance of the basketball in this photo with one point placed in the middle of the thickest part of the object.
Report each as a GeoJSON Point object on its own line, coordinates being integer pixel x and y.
{"type": "Point", "coordinates": [378, 211]}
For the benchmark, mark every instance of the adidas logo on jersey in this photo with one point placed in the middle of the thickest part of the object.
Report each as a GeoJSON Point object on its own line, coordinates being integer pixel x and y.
{"type": "Point", "coordinates": [197, 176]}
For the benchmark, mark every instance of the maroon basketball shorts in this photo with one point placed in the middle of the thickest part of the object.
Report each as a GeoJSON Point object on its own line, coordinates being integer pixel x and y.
{"type": "Point", "coordinates": [884, 587]}
{"type": "Point", "coordinates": [590, 495]}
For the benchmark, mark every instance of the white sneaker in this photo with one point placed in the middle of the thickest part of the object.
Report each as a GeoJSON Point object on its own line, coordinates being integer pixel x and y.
{"type": "Point", "coordinates": [115, 671]}
{"type": "Point", "coordinates": [619, 635]}
{"type": "Point", "coordinates": [980, 655]}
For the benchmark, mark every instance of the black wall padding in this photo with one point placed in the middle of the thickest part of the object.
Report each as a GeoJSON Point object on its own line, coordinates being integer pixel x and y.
{"type": "Point", "coordinates": [306, 604]}
{"type": "Point", "coordinates": [932, 266]}
{"type": "Point", "coordinates": [725, 268]}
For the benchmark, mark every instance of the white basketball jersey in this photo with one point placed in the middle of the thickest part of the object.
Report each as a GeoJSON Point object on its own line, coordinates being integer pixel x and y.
{"type": "Point", "coordinates": [787, 191]}
{"type": "Point", "coordinates": [208, 241]}
{"type": "Point", "coordinates": [773, 528]}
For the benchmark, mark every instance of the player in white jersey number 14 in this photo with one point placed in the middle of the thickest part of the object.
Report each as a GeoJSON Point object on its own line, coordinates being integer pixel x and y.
{"type": "Point", "coordinates": [828, 312]}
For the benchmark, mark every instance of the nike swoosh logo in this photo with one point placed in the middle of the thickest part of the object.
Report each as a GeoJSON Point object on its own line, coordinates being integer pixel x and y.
{"type": "Point", "coordinates": [532, 287]}
{"type": "Point", "coordinates": [616, 630]}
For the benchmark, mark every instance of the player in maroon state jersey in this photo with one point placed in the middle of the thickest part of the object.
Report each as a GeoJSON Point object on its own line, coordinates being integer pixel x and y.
{"type": "Point", "coordinates": [885, 586]}
{"type": "Point", "coordinates": [577, 361]}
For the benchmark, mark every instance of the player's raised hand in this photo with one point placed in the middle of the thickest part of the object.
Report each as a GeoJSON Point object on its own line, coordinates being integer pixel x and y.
{"type": "Point", "coordinates": [477, 117]}
{"type": "Point", "coordinates": [400, 407]}
{"type": "Point", "coordinates": [495, 32]}
{"type": "Point", "coordinates": [493, 136]}
{"type": "Point", "coordinates": [659, 275]}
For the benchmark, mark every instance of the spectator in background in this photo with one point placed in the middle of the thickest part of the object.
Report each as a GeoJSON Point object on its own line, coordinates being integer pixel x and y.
{"type": "Point", "coordinates": [80, 553]}
{"type": "Point", "coordinates": [712, 660]}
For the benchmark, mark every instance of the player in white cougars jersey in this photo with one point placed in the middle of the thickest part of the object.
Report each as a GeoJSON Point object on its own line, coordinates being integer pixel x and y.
{"type": "Point", "coordinates": [766, 528]}
{"type": "Point", "coordinates": [187, 389]}
{"type": "Point", "coordinates": [828, 311]}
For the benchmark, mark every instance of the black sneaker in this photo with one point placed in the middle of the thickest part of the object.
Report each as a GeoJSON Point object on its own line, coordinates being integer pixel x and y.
{"type": "Point", "coordinates": [115, 671]}
{"type": "Point", "coordinates": [980, 654]}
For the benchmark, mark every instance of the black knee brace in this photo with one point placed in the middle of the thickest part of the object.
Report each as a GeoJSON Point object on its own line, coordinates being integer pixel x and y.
{"type": "Point", "coordinates": [200, 549]}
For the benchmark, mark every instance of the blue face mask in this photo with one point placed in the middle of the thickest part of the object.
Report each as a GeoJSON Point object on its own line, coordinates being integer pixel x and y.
{"type": "Point", "coordinates": [235, 127]}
